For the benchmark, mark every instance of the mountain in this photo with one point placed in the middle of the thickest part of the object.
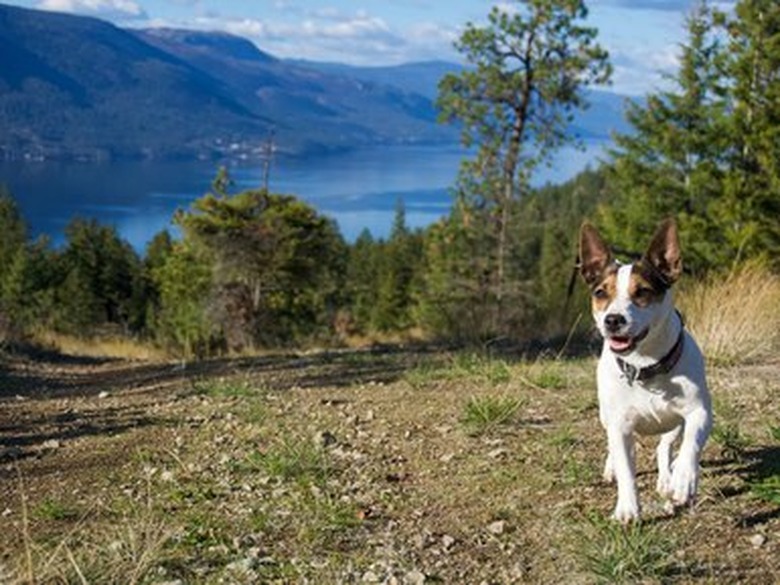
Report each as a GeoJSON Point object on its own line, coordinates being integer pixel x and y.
{"type": "Point", "coordinates": [324, 108]}
{"type": "Point", "coordinates": [603, 116]}
{"type": "Point", "coordinates": [81, 88]}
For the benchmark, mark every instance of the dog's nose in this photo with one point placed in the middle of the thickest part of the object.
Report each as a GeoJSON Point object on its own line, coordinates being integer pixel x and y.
{"type": "Point", "coordinates": [614, 322]}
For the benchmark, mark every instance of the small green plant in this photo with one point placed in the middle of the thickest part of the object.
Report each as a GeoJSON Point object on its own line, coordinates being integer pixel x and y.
{"type": "Point", "coordinates": [549, 376]}
{"type": "Point", "coordinates": [329, 521]}
{"type": "Point", "coordinates": [54, 510]}
{"type": "Point", "coordinates": [485, 414]}
{"type": "Point", "coordinates": [774, 432]}
{"type": "Point", "coordinates": [768, 489]}
{"type": "Point", "coordinates": [615, 553]}
{"type": "Point", "coordinates": [462, 365]}
{"type": "Point", "coordinates": [731, 440]}
{"type": "Point", "coordinates": [493, 371]}
{"type": "Point", "coordinates": [301, 461]}
{"type": "Point", "coordinates": [223, 388]}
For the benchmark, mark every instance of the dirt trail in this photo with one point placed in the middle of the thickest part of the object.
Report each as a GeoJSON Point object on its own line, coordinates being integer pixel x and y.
{"type": "Point", "coordinates": [425, 500]}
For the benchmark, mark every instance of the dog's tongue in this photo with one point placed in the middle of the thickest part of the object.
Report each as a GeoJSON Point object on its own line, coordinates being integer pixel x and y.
{"type": "Point", "coordinates": [619, 344]}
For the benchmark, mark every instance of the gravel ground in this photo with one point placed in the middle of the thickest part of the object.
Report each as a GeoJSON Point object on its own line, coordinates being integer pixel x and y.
{"type": "Point", "coordinates": [362, 467]}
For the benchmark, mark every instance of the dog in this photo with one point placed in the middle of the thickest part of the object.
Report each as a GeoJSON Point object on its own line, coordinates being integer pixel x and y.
{"type": "Point", "coordinates": [650, 376]}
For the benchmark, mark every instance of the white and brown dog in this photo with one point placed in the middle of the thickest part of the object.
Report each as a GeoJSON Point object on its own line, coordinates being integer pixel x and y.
{"type": "Point", "coordinates": [651, 372]}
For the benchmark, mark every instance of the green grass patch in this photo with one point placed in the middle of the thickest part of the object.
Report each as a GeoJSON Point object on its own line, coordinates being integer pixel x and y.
{"type": "Point", "coordinates": [615, 553]}
{"type": "Point", "coordinates": [767, 489]}
{"type": "Point", "coordinates": [224, 388]}
{"type": "Point", "coordinates": [471, 366]}
{"type": "Point", "coordinates": [290, 460]}
{"type": "Point", "coordinates": [485, 414]}
{"type": "Point", "coordinates": [55, 510]}
{"type": "Point", "coordinates": [729, 437]}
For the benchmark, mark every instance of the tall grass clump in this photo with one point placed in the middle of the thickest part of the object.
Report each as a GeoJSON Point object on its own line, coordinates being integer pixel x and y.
{"type": "Point", "coordinates": [735, 318]}
{"type": "Point", "coordinates": [485, 414]}
{"type": "Point", "coordinates": [614, 553]}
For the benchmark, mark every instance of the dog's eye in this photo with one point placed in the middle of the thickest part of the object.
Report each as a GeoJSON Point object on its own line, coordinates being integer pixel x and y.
{"type": "Point", "coordinates": [600, 294]}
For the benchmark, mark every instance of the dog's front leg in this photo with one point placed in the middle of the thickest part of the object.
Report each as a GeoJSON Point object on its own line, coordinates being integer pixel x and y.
{"type": "Point", "coordinates": [685, 470]}
{"type": "Point", "coordinates": [621, 455]}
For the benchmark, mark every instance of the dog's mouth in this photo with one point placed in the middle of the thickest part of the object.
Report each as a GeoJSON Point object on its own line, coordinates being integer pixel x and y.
{"type": "Point", "coordinates": [622, 344]}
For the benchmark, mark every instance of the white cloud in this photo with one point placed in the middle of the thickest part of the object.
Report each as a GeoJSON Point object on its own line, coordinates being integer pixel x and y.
{"type": "Point", "coordinates": [359, 38]}
{"type": "Point", "coordinates": [115, 9]}
{"type": "Point", "coordinates": [637, 72]}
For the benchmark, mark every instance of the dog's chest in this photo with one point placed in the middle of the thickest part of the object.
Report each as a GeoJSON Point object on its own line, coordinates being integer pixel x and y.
{"type": "Point", "coordinates": [647, 409]}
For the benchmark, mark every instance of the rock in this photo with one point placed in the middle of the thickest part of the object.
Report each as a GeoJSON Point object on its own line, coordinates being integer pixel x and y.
{"type": "Point", "coordinates": [103, 395]}
{"type": "Point", "coordinates": [51, 445]}
{"type": "Point", "coordinates": [414, 578]}
{"type": "Point", "coordinates": [497, 528]}
{"type": "Point", "coordinates": [497, 453]}
{"type": "Point", "coordinates": [242, 566]}
{"type": "Point", "coordinates": [447, 542]}
{"type": "Point", "coordinates": [370, 577]}
{"type": "Point", "coordinates": [758, 540]}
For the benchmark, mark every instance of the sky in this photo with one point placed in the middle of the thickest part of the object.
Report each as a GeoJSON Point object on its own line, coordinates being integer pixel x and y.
{"type": "Point", "coordinates": [642, 36]}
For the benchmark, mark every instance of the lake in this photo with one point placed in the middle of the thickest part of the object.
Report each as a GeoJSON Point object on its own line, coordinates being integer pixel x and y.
{"type": "Point", "coordinates": [358, 189]}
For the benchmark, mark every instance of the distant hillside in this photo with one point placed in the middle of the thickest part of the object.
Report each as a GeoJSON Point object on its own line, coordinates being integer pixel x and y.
{"type": "Point", "coordinates": [604, 116]}
{"type": "Point", "coordinates": [323, 108]}
{"type": "Point", "coordinates": [81, 88]}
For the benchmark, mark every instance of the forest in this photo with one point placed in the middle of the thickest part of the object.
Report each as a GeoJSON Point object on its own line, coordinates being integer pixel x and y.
{"type": "Point", "coordinates": [254, 269]}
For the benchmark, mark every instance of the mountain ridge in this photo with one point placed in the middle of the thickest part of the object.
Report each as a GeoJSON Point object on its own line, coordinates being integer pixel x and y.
{"type": "Point", "coordinates": [77, 87]}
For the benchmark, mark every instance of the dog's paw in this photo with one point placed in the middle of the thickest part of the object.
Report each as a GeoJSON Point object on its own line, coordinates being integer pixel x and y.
{"type": "Point", "coordinates": [626, 512]}
{"type": "Point", "coordinates": [683, 484]}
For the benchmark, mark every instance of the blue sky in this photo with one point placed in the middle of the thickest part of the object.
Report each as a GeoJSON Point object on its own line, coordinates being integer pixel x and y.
{"type": "Point", "coordinates": [642, 36]}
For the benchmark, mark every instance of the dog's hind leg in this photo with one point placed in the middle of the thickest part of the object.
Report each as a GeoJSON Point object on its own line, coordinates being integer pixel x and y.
{"type": "Point", "coordinates": [664, 457]}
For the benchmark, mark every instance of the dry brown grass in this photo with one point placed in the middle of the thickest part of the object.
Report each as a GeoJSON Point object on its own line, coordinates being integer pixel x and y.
{"type": "Point", "coordinates": [736, 318]}
{"type": "Point", "coordinates": [100, 347]}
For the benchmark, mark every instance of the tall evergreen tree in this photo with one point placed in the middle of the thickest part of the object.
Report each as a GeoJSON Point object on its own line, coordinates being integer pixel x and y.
{"type": "Point", "coordinates": [673, 162]}
{"type": "Point", "coordinates": [397, 269]}
{"type": "Point", "coordinates": [751, 207]}
{"type": "Point", "coordinates": [528, 69]}
{"type": "Point", "coordinates": [13, 262]}
{"type": "Point", "coordinates": [277, 263]}
{"type": "Point", "coordinates": [100, 272]}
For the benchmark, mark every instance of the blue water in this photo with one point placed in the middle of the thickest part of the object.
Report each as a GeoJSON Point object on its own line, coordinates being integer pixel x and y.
{"type": "Point", "coordinates": [359, 189]}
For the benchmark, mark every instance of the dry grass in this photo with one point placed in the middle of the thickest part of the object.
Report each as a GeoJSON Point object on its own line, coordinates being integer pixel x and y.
{"type": "Point", "coordinates": [100, 347]}
{"type": "Point", "coordinates": [735, 319]}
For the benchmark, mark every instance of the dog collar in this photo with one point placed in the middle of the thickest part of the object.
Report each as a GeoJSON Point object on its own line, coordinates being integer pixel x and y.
{"type": "Point", "coordinates": [663, 366]}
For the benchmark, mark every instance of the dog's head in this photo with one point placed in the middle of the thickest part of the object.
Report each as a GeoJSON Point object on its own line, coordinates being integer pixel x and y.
{"type": "Point", "coordinates": [628, 300]}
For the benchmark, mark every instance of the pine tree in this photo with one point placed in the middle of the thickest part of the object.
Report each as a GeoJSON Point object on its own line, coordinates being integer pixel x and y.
{"type": "Point", "coordinates": [183, 280]}
{"type": "Point", "coordinates": [277, 264]}
{"type": "Point", "coordinates": [400, 257]}
{"type": "Point", "coordinates": [100, 271]}
{"type": "Point", "coordinates": [673, 162]}
{"type": "Point", "coordinates": [528, 69]}
{"type": "Point", "coordinates": [751, 207]}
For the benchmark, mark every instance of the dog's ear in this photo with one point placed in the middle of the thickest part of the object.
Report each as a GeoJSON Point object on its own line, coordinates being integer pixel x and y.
{"type": "Point", "coordinates": [595, 255]}
{"type": "Point", "coordinates": [663, 254]}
